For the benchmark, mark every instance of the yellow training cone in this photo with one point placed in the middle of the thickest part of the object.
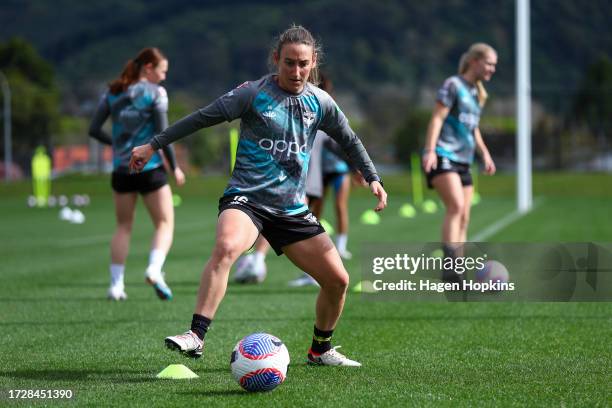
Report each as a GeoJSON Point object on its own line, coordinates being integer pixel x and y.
{"type": "Point", "coordinates": [176, 200]}
{"type": "Point", "coordinates": [407, 211]}
{"type": "Point", "coordinates": [327, 227]}
{"type": "Point", "coordinates": [370, 218]}
{"type": "Point", "coordinates": [430, 206]}
{"type": "Point", "coordinates": [437, 253]}
{"type": "Point", "coordinates": [364, 286]}
{"type": "Point", "coordinates": [176, 372]}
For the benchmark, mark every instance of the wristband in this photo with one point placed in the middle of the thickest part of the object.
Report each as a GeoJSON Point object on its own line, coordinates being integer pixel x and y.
{"type": "Point", "coordinates": [376, 178]}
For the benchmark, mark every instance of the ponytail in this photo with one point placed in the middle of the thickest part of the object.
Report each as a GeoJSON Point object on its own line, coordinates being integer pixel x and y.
{"type": "Point", "coordinates": [483, 95]}
{"type": "Point", "coordinates": [128, 76]}
{"type": "Point", "coordinates": [131, 71]}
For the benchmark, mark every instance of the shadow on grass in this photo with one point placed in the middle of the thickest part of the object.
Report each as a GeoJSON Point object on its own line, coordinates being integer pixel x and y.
{"type": "Point", "coordinates": [216, 393]}
{"type": "Point", "coordinates": [91, 285]}
{"type": "Point", "coordinates": [492, 317]}
{"type": "Point", "coordinates": [235, 289]}
{"type": "Point", "coordinates": [114, 376]}
{"type": "Point", "coordinates": [64, 299]}
{"type": "Point", "coordinates": [358, 319]}
{"type": "Point", "coordinates": [99, 322]}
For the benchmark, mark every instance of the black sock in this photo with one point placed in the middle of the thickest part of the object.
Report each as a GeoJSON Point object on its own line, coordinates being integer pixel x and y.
{"type": "Point", "coordinates": [450, 251]}
{"type": "Point", "coordinates": [199, 325]}
{"type": "Point", "coordinates": [321, 341]}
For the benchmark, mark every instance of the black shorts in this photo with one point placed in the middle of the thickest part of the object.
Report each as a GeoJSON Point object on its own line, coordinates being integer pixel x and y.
{"type": "Point", "coordinates": [445, 165]}
{"type": "Point", "coordinates": [279, 230]}
{"type": "Point", "coordinates": [143, 182]}
{"type": "Point", "coordinates": [335, 179]}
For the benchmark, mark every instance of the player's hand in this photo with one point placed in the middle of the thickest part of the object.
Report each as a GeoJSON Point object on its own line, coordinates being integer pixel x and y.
{"type": "Point", "coordinates": [489, 165]}
{"type": "Point", "coordinates": [378, 190]}
{"type": "Point", "coordinates": [430, 161]}
{"type": "Point", "coordinates": [140, 156]}
{"type": "Point", "coordinates": [179, 176]}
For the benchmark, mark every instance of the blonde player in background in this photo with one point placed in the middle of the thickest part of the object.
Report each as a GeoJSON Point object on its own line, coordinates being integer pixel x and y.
{"type": "Point", "coordinates": [453, 137]}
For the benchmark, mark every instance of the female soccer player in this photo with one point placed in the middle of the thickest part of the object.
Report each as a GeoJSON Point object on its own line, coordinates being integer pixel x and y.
{"type": "Point", "coordinates": [138, 108]}
{"type": "Point", "coordinates": [280, 115]}
{"type": "Point", "coordinates": [452, 137]}
{"type": "Point", "coordinates": [326, 166]}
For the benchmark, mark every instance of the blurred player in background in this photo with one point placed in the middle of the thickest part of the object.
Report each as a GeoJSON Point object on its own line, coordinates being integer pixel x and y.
{"type": "Point", "coordinates": [280, 114]}
{"type": "Point", "coordinates": [453, 137]}
{"type": "Point", "coordinates": [41, 176]}
{"type": "Point", "coordinates": [336, 173]}
{"type": "Point", "coordinates": [138, 108]}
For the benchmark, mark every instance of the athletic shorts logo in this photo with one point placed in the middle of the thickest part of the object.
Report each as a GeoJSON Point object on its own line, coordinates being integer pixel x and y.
{"type": "Point", "coordinates": [445, 164]}
{"type": "Point", "coordinates": [311, 218]}
{"type": "Point", "coordinates": [239, 200]}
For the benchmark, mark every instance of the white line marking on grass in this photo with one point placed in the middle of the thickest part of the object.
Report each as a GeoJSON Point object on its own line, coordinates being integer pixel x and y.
{"type": "Point", "coordinates": [502, 223]}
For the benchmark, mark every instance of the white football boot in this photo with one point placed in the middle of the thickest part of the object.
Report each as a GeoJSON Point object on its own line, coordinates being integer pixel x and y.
{"type": "Point", "coordinates": [304, 280]}
{"type": "Point", "coordinates": [345, 254]}
{"type": "Point", "coordinates": [188, 344]}
{"type": "Point", "coordinates": [116, 291]}
{"type": "Point", "coordinates": [156, 279]}
{"type": "Point", "coordinates": [244, 267]}
{"type": "Point", "coordinates": [249, 271]}
{"type": "Point", "coordinates": [331, 358]}
{"type": "Point", "coordinates": [259, 272]}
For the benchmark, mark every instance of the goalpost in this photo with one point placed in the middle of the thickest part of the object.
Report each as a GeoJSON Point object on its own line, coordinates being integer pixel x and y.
{"type": "Point", "coordinates": [523, 109]}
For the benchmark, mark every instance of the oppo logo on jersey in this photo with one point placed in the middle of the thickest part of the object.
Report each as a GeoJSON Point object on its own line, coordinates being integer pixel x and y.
{"type": "Point", "coordinates": [470, 119]}
{"type": "Point", "coordinates": [279, 147]}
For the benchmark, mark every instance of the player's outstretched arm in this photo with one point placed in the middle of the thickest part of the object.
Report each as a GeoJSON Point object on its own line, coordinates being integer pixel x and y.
{"type": "Point", "coordinates": [378, 190]}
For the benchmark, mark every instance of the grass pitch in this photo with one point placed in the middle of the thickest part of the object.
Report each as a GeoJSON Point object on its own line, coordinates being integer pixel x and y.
{"type": "Point", "coordinates": [59, 331]}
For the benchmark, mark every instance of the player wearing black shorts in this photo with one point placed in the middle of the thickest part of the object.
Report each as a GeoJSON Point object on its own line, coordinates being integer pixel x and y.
{"type": "Point", "coordinates": [138, 107]}
{"type": "Point", "coordinates": [280, 115]}
{"type": "Point", "coordinates": [452, 138]}
{"type": "Point", "coordinates": [279, 230]}
{"type": "Point", "coordinates": [445, 165]}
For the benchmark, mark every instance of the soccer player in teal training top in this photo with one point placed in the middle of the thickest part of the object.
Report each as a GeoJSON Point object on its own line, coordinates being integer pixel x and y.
{"type": "Point", "coordinates": [138, 107]}
{"type": "Point", "coordinates": [280, 114]}
{"type": "Point", "coordinates": [453, 137]}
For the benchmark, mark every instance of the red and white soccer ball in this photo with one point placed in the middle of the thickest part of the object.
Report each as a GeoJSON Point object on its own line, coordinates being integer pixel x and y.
{"type": "Point", "coordinates": [493, 271]}
{"type": "Point", "coordinates": [259, 362]}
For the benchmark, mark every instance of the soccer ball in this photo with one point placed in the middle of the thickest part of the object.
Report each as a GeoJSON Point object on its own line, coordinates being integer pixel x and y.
{"type": "Point", "coordinates": [259, 362]}
{"type": "Point", "coordinates": [493, 271]}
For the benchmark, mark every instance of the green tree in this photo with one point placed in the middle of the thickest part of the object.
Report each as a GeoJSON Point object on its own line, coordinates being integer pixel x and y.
{"type": "Point", "coordinates": [410, 136]}
{"type": "Point", "coordinates": [35, 97]}
{"type": "Point", "coordinates": [593, 104]}
{"type": "Point", "coordinates": [206, 147]}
